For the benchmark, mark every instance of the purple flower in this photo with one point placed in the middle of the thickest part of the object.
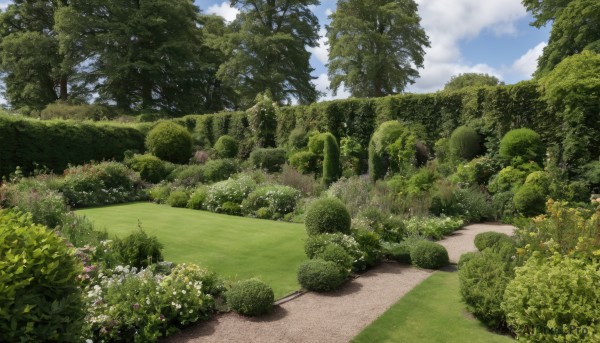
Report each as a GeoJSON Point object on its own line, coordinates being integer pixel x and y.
{"type": "Point", "coordinates": [136, 306]}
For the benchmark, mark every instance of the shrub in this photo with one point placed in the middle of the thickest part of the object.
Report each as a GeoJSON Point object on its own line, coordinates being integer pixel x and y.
{"type": "Point", "coordinates": [327, 215]}
{"type": "Point", "coordinates": [433, 227]}
{"type": "Point", "coordinates": [331, 160]}
{"type": "Point", "coordinates": [320, 276]}
{"type": "Point", "coordinates": [226, 147]}
{"type": "Point", "coordinates": [138, 249]}
{"type": "Point", "coordinates": [338, 255]}
{"type": "Point", "coordinates": [159, 193]}
{"type": "Point", "coordinates": [231, 208]}
{"type": "Point", "coordinates": [178, 199]}
{"type": "Point", "coordinates": [47, 207]}
{"type": "Point", "coordinates": [218, 170]}
{"type": "Point", "coordinates": [151, 168]}
{"type": "Point", "coordinates": [353, 192]}
{"type": "Point", "coordinates": [270, 159]}
{"type": "Point", "coordinates": [466, 257]}
{"type": "Point", "coordinates": [316, 143]}
{"type": "Point", "coordinates": [262, 119]}
{"type": "Point", "coordinates": [442, 149]}
{"type": "Point", "coordinates": [507, 179]}
{"type": "Point", "coordinates": [232, 191]}
{"type": "Point", "coordinates": [392, 146]}
{"type": "Point", "coordinates": [187, 175]}
{"type": "Point", "coordinates": [197, 198]}
{"type": "Point", "coordinates": [314, 245]}
{"type": "Point", "coordinates": [540, 179]}
{"type": "Point", "coordinates": [522, 145]}
{"type": "Point", "coordinates": [370, 245]}
{"type": "Point", "coordinates": [304, 161]}
{"type": "Point", "coordinates": [477, 171]}
{"type": "Point", "coordinates": [483, 280]}
{"type": "Point", "coordinates": [502, 205]}
{"type": "Point", "coordinates": [277, 198]}
{"type": "Point", "coordinates": [530, 200]}
{"type": "Point", "coordinates": [430, 255]}
{"type": "Point", "coordinates": [489, 239]}
{"type": "Point", "coordinates": [564, 294]}
{"type": "Point", "coordinates": [251, 298]}
{"type": "Point", "coordinates": [304, 183]}
{"type": "Point", "coordinates": [40, 295]}
{"type": "Point", "coordinates": [60, 110]}
{"type": "Point", "coordinates": [170, 142]}
{"type": "Point", "coordinates": [298, 138]}
{"type": "Point", "coordinates": [396, 251]}
{"type": "Point", "coordinates": [464, 143]}
{"type": "Point", "coordinates": [421, 181]}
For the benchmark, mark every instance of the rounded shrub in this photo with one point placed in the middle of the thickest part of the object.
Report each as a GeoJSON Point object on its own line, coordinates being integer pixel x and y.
{"type": "Point", "coordinates": [298, 138]}
{"type": "Point", "coordinates": [218, 170]}
{"type": "Point", "coordinates": [270, 159]}
{"type": "Point", "coordinates": [40, 296]}
{"type": "Point", "coordinates": [540, 179]}
{"type": "Point", "coordinates": [178, 199]}
{"type": "Point", "coordinates": [507, 179]}
{"type": "Point", "coordinates": [278, 198]}
{"type": "Point", "coordinates": [562, 292]}
{"type": "Point", "coordinates": [314, 245]}
{"type": "Point", "coordinates": [489, 239]}
{"type": "Point", "coordinates": [197, 198]}
{"type": "Point", "coordinates": [316, 143]}
{"type": "Point", "coordinates": [369, 244]}
{"type": "Point", "coordinates": [170, 142]}
{"type": "Point", "coordinates": [429, 255]}
{"type": "Point", "coordinates": [338, 255]}
{"type": "Point", "coordinates": [320, 276]}
{"type": "Point", "coordinates": [398, 252]}
{"type": "Point", "coordinates": [466, 257]}
{"type": "Point", "coordinates": [138, 249]}
{"type": "Point", "coordinates": [530, 200]}
{"type": "Point", "coordinates": [226, 147]}
{"type": "Point", "coordinates": [304, 161]}
{"type": "Point", "coordinates": [151, 168]}
{"type": "Point", "coordinates": [327, 215]}
{"type": "Point", "coordinates": [251, 297]}
{"type": "Point", "coordinates": [464, 143]}
{"type": "Point", "coordinates": [522, 145]}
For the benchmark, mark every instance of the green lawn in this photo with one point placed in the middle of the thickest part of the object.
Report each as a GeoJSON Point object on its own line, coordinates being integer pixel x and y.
{"type": "Point", "coordinates": [235, 247]}
{"type": "Point", "coordinates": [431, 312]}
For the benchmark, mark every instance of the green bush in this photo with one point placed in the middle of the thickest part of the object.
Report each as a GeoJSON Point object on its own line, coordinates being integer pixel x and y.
{"type": "Point", "coordinates": [370, 245]}
{"type": "Point", "coordinates": [430, 255]}
{"type": "Point", "coordinates": [138, 249]}
{"type": "Point", "coordinates": [232, 192]}
{"type": "Point", "coordinates": [277, 198]}
{"type": "Point", "coordinates": [540, 179]}
{"type": "Point", "coordinates": [327, 215]}
{"type": "Point", "coordinates": [502, 205]}
{"type": "Point", "coordinates": [315, 245]}
{"type": "Point", "coordinates": [530, 200]}
{"type": "Point", "coordinates": [507, 179]}
{"type": "Point", "coordinates": [320, 276]}
{"type": "Point", "coordinates": [231, 208]}
{"type": "Point", "coordinates": [522, 145]}
{"type": "Point", "coordinates": [262, 119]}
{"type": "Point", "coordinates": [331, 160]}
{"type": "Point", "coordinates": [197, 198]}
{"type": "Point", "coordinates": [151, 168]}
{"type": "Point", "coordinates": [483, 279]}
{"type": "Point", "coordinates": [170, 142]}
{"type": "Point", "coordinates": [178, 199]}
{"type": "Point", "coordinates": [478, 171]}
{"type": "Point", "coordinates": [47, 206]}
{"type": "Point", "coordinates": [316, 143]}
{"type": "Point", "coordinates": [466, 257]}
{"type": "Point", "coordinates": [60, 110]}
{"type": "Point", "coordinates": [396, 251]}
{"type": "Point", "coordinates": [421, 181]}
{"type": "Point", "coordinates": [338, 255]}
{"type": "Point", "coordinates": [218, 170]}
{"type": "Point", "coordinates": [270, 159]}
{"type": "Point", "coordinates": [251, 298]}
{"type": "Point", "coordinates": [433, 227]}
{"type": "Point", "coordinates": [159, 193]}
{"type": "Point", "coordinates": [464, 143]}
{"type": "Point", "coordinates": [226, 147]}
{"type": "Point", "coordinates": [442, 149]}
{"type": "Point", "coordinates": [489, 239]}
{"type": "Point", "coordinates": [562, 292]}
{"type": "Point", "coordinates": [40, 297]}
{"type": "Point", "coordinates": [304, 161]}
{"type": "Point", "coordinates": [298, 138]}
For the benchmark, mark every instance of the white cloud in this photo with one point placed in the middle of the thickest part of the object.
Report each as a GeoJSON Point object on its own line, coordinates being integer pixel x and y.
{"type": "Point", "coordinates": [322, 85]}
{"type": "Point", "coordinates": [4, 4]}
{"type": "Point", "coordinates": [321, 52]}
{"type": "Point", "coordinates": [328, 12]}
{"type": "Point", "coordinates": [224, 10]}
{"type": "Point", "coordinates": [526, 64]}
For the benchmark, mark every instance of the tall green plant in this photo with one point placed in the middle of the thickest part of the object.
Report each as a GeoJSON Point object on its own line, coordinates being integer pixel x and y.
{"type": "Point", "coordinates": [331, 159]}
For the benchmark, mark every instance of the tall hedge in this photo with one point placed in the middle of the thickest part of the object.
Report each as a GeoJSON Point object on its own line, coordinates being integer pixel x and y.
{"type": "Point", "coordinates": [331, 159]}
{"type": "Point", "coordinates": [57, 143]}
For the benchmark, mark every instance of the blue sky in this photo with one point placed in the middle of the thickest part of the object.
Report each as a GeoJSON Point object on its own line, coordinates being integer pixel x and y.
{"type": "Point", "coordinates": [488, 36]}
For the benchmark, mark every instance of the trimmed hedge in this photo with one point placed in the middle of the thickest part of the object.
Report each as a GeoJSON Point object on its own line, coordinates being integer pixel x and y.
{"type": "Point", "coordinates": [320, 276]}
{"type": "Point", "coordinates": [170, 142]}
{"type": "Point", "coordinates": [251, 298]}
{"type": "Point", "coordinates": [430, 255]}
{"type": "Point", "coordinates": [327, 215]}
{"type": "Point", "coordinates": [489, 239]}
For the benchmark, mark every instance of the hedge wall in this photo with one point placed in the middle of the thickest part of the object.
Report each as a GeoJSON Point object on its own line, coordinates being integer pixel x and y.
{"type": "Point", "coordinates": [55, 144]}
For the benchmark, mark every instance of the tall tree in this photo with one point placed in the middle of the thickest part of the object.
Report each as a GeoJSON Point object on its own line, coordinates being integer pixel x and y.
{"type": "Point", "coordinates": [544, 10]}
{"type": "Point", "coordinates": [34, 70]}
{"type": "Point", "coordinates": [137, 54]}
{"type": "Point", "coordinates": [267, 50]}
{"type": "Point", "coordinates": [577, 28]}
{"type": "Point", "coordinates": [376, 46]}
{"type": "Point", "coordinates": [460, 81]}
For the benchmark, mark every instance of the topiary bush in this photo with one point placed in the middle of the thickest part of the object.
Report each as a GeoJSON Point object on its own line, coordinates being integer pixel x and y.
{"type": "Point", "coordinates": [178, 198]}
{"type": "Point", "coordinates": [327, 215]}
{"type": "Point", "coordinates": [138, 249]}
{"type": "Point", "coordinates": [226, 147]}
{"type": "Point", "coordinates": [331, 159]}
{"type": "Point", "coordinates": [429, 255]}
{"type": "Point", "coordinates": [304, 161]}
{"type": "Point", "coordinates": [270, 159]}
{"type": "Point", "coordinates": [298, 138]}
{"type": "Point", "coordinates": [540, 179]}
{"type": "Point", "coordinates": [489, 239]}
{"type": "Point", "coordinates": [151, 168]}
{"type": "Point", "coordinates": [170, 142]}
{"type": "Point", "coordinates": [40, 296]}
{"type": "Point", "coordinates": [218, 170]}
{"type": "Point", "coordinates": [396, 251]}
{"type": "Point", "coordinates": [251, 298]}
{"type": "Point", "coordinates": [338, 255]}
{"type": "Point", "coordinates": [522, 145]}
{"type": "Point", "coordinates": [530, 200]}
{"type": "Point", "coordinates": [320, 276]}
{"type": "Point", "coordinates": [464, 143]}
{"type": "Point", "coordinates": [562, 292]}
{"type": "Point", "coordinates": [507, 179]}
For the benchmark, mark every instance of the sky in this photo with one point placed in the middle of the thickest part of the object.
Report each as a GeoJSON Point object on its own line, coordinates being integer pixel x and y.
{"type": "Point", "coordinates": [482, 36]}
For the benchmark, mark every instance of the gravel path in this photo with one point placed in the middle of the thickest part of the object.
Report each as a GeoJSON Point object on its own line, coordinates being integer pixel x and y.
{"type": "Point", "coordinates": [336, 316]}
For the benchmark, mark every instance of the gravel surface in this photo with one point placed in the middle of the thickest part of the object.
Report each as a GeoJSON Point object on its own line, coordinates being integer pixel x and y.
{"type": "Point", "coordinates": [336, 316]}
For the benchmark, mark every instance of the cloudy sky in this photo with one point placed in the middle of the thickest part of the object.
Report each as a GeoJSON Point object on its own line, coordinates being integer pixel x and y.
{"type": "Point", "coordinates": [489, 36]}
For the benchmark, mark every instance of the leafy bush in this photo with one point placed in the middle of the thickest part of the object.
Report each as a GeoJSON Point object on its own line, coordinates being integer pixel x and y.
{"type": "Point", "coordinates": [489, 239]}
{"type": "Point", "coordinates": [530, 200]}
{"type": "Point", "coordinates": [522, 145]}
{"type": "Point", "coordinates": [539, 179]}
{"type": "Point", "coordinates": [80, 231]}
{"type": "Point", "coordinates": [187, 175]}
{"type": "Point", "coordinates": [151, 168]}
{"type": "Point", "coordinates": [298, 138]}
{"type": "Point", "coordinates": [396, 251]}
{"type": "Point", "coordinates": [564, 294]}
{"type": "Point", "coordinates": [464, 143]}
{"type": "Point", "coordinates": [316, 143]}
{"type": "Point", "coordinates": [278, 199]}
{"type": "Point", "coordinates": [232, 191]}
{"type": "Point", "coordinates": [170, 142]}
{"type": "Point", "coordinates": [430, 255]}
{"type": "Point", "coordinates": [40, 295]}
{"type": "Point", "coordinates": [441, 149]}
{"type": "Point", "coordinates": [331, 159]}
{"type": "Point", "coordinates": [338, 255]}
{"type": "Point", "coordinates": [218, 170]}
{"type": "Point", "coordinates": [160, 193]}
{"type": "Point", "coordinates": [178, 198]}
{"type": "Point", "coordinates": [327, 215]}
{"type": "Point", "coordinates": [47, 206]}
{"type": "Point", "coordinates": [392, 146]}
{"type": "Point", "coordinates": [262, 119]}
{"type": "Point", "coordinates": [314, 245]}
{"type": "Point", "coordinates": [304, 161]}
{"type": "Point", "coordinates": [507, 179]}
{"type": "Point", "coordinates": [370, 245]}
{"type": "Point", "coordinates": [421, 181]}
{"type": "Point", "coordinates": [466, 257]}
{"type": "Point", "coordinates": [478, 171]}
{"type": "Point", "coordinates": [320, 276]}
{"type": "Point", "coordinates": [270, 159]}
{"type": "Point", "coordinates": [60, 110]}
{"type": "Point", "coordinates": [226, 147]}
{"type": "Point", "coordinates": [433, 227]}
{"type": "Point", "coordinates": [251, 298]}
{"type": "Point", "coordinates": [138, 249]}
{"type": "Point", "coordinates": [304, 183]}
{"type": "Point", "coordinates": [197, 198]}
{"type": "Point", "coordinates": [353, 192]}
{"type": "Point", "coordinates": [502, 205]}
{"type": "Point", "coordinates": [483, 279]}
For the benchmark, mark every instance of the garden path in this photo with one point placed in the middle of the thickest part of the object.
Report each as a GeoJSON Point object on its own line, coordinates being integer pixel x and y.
{"type": "Point", "coordinates": [336, 316]}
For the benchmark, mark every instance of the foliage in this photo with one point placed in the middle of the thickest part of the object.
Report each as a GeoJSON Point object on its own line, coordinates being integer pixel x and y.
{"type": "Point", "coordinates": [151, 168]}
{"type": "Point", "coordinates": [327, 215]}
{"type": "Point", "coordinates": [530, 200]}
{"type": "Point", "coordinates": [47, 206]}
{"type": "Point", "coordinates": [277, 198]}
{"type": "Point", "coordinates": [315, 244]}
{"type": "Point", "coordinates": [331, 159]}
{"type": "Point", "coordinates": [565, 308]}
{"type": "Point", "coordinates": [40, 295]}
{"type": "Point", "coordinates": [231, 191]}
{"type": "Point", "coordinates": [61, 110]}
{"type": "Point", "coordinates": [218, 170]}
{"type": "Point", "coordinates": [320, 276]}
{"type": "Point", "coordinates": [262, 119]}
{"type": "Point", "coordinates": [478, 171]}
{"type": "Point", "coordinates": [396, 251]}
{"type": "Point", "coordinates": [421, 181]}
{"type": "Point", "coordinates": [196, 201]}
{"type": "Point", "coordinates": [370, 246]}
{"type": "Point", "coordinates": [544, 11]}
{"type": "Point", "coordinates": [502, 205]}
{"type": "Point", "coordinates": [353, 192]}
{"type": "Point", "coordinates": [298, 139]}
{"type": "Point", "coordinates": [170, 142]}
{"type": "Point", "coordinates": [351, 155]}
{"type": "Point", "coordinates": [430, 255]}
{"type": "Point", "coordinates": [523, 145]}
{"type": "Point", "coordinates": [270, 159]}
{"type": "Point", "coordinates": [507, 179]}
{"type": "Point", "coordinates": [304, 183]}
{"type": "Point", "coordinates": [433, 227]}
{"type": "Point", "coordinates": [226, 147]}
{"type": "Point", "coordinates": [338, 255]}
{"type": "Point", "coordinates": [539, 179]}
{"type": "Point", "coordinates": [392, 42]}
{"type": "Point", "coordinates": [138, 249]}
{"type": "Point", "coordinates": [489, 239]}
{"type": "Point", "coordinates": [391, 147]}
{"type": "Point", "coordinates": [178, 198]}
{"type": "Point", "coordinates": [466, 257]}
{"type": "Point", "coordinates": [304, 161]}
{"type": "Point", "coordinates": [463, 80]}
{"type": "Point", "coordinates": [250, 298]}
{"type": "Point", "coordinates": [464, 143]}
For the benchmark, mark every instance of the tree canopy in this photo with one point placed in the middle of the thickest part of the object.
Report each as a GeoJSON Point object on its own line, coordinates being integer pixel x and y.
{"type": "Point", "coordinates": [376, 46]}
{"type": "Point", "coordinates": [464, 80]}
{"type": "Point", "coordinates": [544, 10]}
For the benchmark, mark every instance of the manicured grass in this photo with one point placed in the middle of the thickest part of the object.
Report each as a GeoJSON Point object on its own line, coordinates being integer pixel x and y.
{"type": "Point", "coordinates": [235, 247]}
{"type": "Point", "coordinates": [431, 312]}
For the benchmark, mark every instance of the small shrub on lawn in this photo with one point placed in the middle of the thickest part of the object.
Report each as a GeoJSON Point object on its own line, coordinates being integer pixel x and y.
{"type": "Point", "coordinates": [522, 145]}
{"type": "Point", "coordinates": [159, 193]}
{"type": "Point", "coordinates": [429, 255]}
{"type": "Point", "coordinates": [226, 147]}
{"type": "Point", "coordinates": [270, 159]}
{"type": "Point", "coordinates": [327, 215]}
{"type": "Point", "coordinates": [231, 208]}
{"type": "Point", "coordinates": [138, 249]}
{"type": "Point", "coordinates": [197, 198]}
{"type": "Point", "coordinates": [304, 162]}
{"type": "Point", "coordinates": [151, 168]}
{"type": "Point", "coordinates": [320, 276]}
{"type": "Point", "coordinates": [489, 239]}
{"type": "Point", "coordinates": [335, 253]}
{"type": "Point", "coordinates": [464, 143]}
{"type": "Point", "coordinates": [170, 142]}
{"type": "Point", "coordinates": [530, 200]}
{"type": "Point", "coordinates": [278, 199]}
{"type": "Point", "coordinates": [251, 298]}
{"type": "Point", "coordinates": [232, 191]}
{"type": "Point", "coordinates": [178, 198]}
